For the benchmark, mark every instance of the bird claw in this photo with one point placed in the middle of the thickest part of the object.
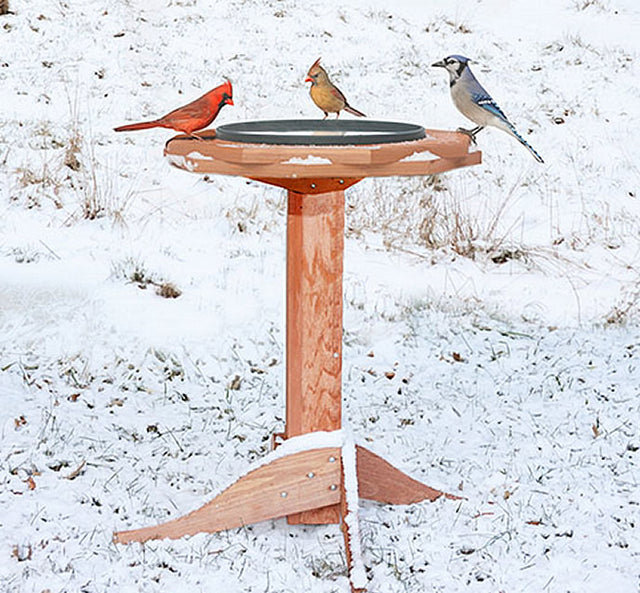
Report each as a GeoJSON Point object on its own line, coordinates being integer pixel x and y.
{"type": "Point", "coordinates": [470, 133]}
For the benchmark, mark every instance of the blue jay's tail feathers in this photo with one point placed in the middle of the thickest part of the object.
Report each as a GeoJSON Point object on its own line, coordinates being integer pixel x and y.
{"type": "Point", "coordinates": [517, 136]}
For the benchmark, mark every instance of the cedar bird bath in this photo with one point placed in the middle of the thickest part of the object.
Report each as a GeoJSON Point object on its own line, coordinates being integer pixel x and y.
{"type": "Point", "coordinates": [317, 473]}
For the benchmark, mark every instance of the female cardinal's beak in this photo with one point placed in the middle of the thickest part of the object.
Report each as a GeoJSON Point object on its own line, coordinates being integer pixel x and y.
{"type": "Point", "coordinates": [308, 79]}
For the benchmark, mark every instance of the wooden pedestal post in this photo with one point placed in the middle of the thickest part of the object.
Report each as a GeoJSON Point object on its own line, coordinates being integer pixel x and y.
{"type": "Point", "coordinates": [315, 245]}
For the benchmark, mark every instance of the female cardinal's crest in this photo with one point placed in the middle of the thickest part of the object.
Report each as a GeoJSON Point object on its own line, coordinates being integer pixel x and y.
{"type": "Point", "coordinates": [315, 65]}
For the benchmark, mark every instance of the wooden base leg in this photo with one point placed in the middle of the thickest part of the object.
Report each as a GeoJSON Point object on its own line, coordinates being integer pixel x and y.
{"type": "Point", "coordinates": [289, 484]}
{"type": "Point", "coordinates": [380, 481]}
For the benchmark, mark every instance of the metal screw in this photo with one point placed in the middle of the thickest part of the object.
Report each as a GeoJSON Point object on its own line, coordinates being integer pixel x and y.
{"type": "Point", "coordinates": [311, 475]}
{"type": "Point", "coordinates": [313, 186]}
{"type": "Point", "coordinates": [333, 487]}
{"type": "Point", "coordinates": [283, 494]}
{"type": "Point", "coordinates": [332, 459]}
{"type": "Point", "coordinates": [341, 181]}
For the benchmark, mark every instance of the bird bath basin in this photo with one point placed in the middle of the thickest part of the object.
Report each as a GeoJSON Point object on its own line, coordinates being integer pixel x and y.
{"type": "Point", "coordinates": [322, 132]}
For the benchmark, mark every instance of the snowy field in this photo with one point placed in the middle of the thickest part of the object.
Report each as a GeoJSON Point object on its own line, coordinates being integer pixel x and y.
{"type": "Point", "coordinates": [492, 314]}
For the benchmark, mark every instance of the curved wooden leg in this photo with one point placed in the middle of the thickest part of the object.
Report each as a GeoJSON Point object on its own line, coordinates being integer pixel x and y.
{"type": "Point", "coordinates": [290, 484]}
{"type": "Point", "coordinates": [380, 481]}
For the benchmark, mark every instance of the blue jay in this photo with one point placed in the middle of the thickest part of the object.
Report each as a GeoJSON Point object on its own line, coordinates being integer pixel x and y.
{"type": "Point", "coordinates": [475, 103]}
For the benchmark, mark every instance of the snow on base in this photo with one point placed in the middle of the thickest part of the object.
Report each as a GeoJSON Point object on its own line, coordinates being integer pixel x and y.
{"type": "Point", "coordinates": [306, 442]}
{"type": "Point", "coordinates": [357, 574]}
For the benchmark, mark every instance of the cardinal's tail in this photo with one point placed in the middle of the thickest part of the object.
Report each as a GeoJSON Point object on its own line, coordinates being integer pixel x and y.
{"type": "Point", "coordinates": [353, 111]}
{"type": "Point", "coordinates": [143, 125]}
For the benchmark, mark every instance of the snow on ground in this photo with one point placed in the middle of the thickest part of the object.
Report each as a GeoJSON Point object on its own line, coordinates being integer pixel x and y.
{"type": "Point", "coordinates": [491, 346]}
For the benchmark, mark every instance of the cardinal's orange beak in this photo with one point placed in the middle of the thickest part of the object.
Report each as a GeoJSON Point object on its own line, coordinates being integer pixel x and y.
{"type": "Point", "coordinates": [308, 79]}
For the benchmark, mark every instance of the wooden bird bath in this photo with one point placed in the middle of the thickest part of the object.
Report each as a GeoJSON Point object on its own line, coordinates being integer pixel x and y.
{"type": "Point", "coordinates": [315, 161]}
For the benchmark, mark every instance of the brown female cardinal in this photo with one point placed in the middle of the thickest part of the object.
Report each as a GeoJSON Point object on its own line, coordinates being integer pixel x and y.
{"type": "Point", "coordinates": [325, 95]}
{"type": "Point", "coordinates": [191, 117]}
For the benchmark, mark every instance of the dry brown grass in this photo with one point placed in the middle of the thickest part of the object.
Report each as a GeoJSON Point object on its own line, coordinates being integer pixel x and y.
{"type": "Point", "coordinates": [426, 213]}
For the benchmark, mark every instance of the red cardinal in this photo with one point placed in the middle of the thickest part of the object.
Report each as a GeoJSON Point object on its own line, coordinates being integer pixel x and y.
{"type": "Point", "coordinates": [326, 95]}
{"type": "Point", "coordinates": [191, 117]}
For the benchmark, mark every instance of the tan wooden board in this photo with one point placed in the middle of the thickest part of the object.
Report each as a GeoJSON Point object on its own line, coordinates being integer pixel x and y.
{"type": "Point", "coordinates": [439, 151]}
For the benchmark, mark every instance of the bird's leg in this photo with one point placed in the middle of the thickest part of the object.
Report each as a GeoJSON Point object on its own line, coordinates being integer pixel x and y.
{"type": "Point", "coordinates": [194, 135]}
{"type": "Point", "coordinates": [471, 133]}
{"type": "Point", "coordinates": [326, 115]}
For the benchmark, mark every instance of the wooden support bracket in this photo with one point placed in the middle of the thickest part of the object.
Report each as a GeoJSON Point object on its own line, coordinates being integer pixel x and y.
{"type": "Point", "coordinates": [380, 481]}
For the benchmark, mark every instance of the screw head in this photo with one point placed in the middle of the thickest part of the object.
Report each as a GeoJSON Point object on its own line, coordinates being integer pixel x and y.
{"type": "Point", "coordinates": [333, 487]}
{"type": "Point", "coordinates": [332, 459]}
{"type": "Point", "coordinates": [311, 475]}
{"type": "Point", "coordinates": [283, 494]}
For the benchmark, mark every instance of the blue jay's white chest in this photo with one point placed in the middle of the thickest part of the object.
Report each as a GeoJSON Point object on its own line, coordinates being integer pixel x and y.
{"type": "Point", "coordinates": [462, 99]}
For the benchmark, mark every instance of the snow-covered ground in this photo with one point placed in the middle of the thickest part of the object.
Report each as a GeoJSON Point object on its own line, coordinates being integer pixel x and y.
{"type": "Point", "coordinates": [492, 321]}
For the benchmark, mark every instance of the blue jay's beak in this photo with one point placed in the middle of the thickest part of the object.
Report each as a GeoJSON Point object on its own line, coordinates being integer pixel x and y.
{"type": "Point", "coordinates": [441, 64]}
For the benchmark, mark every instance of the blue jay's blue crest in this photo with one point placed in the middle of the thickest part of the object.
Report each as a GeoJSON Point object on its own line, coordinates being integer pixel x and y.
{"type": "Point", "coordinates": [455, 65]}
{"type": "Point", "coordinates": [460, 58]}
{"type": "Point", "coordinates": [474, 102]}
